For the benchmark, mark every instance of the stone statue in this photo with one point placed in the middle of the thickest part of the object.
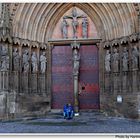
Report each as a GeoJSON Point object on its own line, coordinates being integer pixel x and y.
{"type": "Point", "coordinates": [64, 28]}
{"type": "Point", "coordinates": [107, 61]}
{"type": "Point", "coordinates": [85, 27]}
{"type": "Point", "coordinates": [43, 61]}
{"type": "Point", "coordinates": [26, 61]}
{"type": "Point", "coordinates": [115, 61]}
{"type": "Point", "coordinates": [16, 60]}
{"type": "Point", "coordinates": [135, 55]}
{"type": "Point", "coordinates": [4, 59]}
{"type": "Point", "coordinates": [76, 59]}
{"type": "Point", "coordinates": [75, 23]}
{"type": "Point", "coordinates": [34, 63]}
{"type": "Point", "coordinates": [125, 59]}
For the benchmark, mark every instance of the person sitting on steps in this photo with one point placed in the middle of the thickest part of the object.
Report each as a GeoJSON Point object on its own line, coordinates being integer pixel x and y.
{"type": "Point", "coordinates": [68, 111]}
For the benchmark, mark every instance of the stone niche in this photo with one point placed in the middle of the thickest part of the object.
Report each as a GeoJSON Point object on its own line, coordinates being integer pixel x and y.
{"type": "Point", "coordinates": [23, 89]}
{"type": "Point", "coordinates": [120, 96]}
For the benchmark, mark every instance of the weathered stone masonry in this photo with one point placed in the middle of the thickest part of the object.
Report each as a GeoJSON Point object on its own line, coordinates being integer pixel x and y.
{"type": "Point", "coordinates": [26, 32]}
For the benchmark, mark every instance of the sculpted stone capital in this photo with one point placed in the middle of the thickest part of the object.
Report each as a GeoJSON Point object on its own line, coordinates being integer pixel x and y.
{"type": "Point", "coordinates": [43, 46]}
{"type": "Point", "coordinates": [124, 40]}
{"type": "Point", "coordinates": [115, 42]}
{"type": "Point", "coordinates": [34, 44]}
{"type": "Point", "coordinates": [107, 44]}
{"type": "Point", "coordinates": [25, 42]}
{"type": "Point", "coordinates": [75, 45]}
{"type": "Point", "coordinates": [133, 37]}
{"type": "Point", "coordinates": [16, 40]}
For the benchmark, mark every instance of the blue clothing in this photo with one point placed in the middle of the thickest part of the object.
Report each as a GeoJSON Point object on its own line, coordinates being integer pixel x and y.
{"type": "Point", "coordinates": [68, 112]}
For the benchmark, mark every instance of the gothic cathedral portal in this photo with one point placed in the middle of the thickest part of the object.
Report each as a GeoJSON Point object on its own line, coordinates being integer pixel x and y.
{"type": "Point", "coordinates": [75, 62]}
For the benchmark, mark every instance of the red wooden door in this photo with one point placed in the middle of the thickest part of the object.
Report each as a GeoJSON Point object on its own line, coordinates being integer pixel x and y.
{"type": "Point", "coordinates": [62, 82]}
{"type": "Point", "coordinates": [62, 78]}
{"type": "Point", "coordinates": [89, 77]}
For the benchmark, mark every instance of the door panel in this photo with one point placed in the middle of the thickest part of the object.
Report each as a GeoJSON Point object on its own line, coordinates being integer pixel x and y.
{"type": "Point", "coordinates": [89, 78]}
{"type": "Point", "coordinates": [62, 82]}
{"type": "Point", "coordinates": [62, 78]}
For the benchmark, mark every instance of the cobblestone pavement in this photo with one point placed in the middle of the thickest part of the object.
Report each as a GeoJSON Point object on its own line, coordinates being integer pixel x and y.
{"type": "Point", "coordinates": [91, 122]}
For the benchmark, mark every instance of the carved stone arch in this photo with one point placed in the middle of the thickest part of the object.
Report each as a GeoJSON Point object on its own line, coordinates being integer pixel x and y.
{"type": "Point", "coordinates": [66, 7]}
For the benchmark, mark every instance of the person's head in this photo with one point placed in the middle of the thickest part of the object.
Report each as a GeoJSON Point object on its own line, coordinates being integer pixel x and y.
{"type": "Point", "coordinates": [115, 50]}
{"type": "Point", "coordinates": [15, 49]}
{"type": "Point", "coordinates": [44, 53]}
{"type": "Point", "coordinates": [69, 104]}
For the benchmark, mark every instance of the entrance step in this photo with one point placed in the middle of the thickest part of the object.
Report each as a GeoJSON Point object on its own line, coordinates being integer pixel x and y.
{"type": "Point", "coordinates": [56, 110]}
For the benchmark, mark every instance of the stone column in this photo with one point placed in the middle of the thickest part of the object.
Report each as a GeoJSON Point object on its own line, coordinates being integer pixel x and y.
{"type": "Point", "coordinates": [130, 78]}
{"type": "Point", "coordinates": [30, 72]}
{"type": "Point", "coordinates": [115, 67]}
{"type": "Point", "coordinates": [123, 74]}
{"type": "Point", "coordinates": [101, 66]}
{"type": "Point", "coordinates": [107, 73]}
{"type": "Point", "coordinates": [20, 68]}
{"type": "Point", "coordinates": [49, 73]}
{"type": "Point", "coordinates": [76, 64]}
{"type": "Point", "coordinates": [111, 74]}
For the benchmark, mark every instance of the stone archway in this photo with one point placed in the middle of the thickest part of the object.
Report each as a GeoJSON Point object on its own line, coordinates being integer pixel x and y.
{"type": "Point", "coordinates": [62, 65]}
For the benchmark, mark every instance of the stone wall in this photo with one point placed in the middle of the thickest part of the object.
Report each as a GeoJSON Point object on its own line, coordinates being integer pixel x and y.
{"type": "Point", "coordinates": [121, 69]}
{"type": "Point", "coordinates": [23, 80]}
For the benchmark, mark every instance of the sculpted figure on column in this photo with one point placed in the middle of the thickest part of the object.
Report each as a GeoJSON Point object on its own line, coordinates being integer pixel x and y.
{"type": "Point", "coordinates": [64, 28]}
{"type": "Point", "coordinates": [76, 59]}
{"type": "Point", "coordinates": [135, 55]}
{"type": "Point", "coordinates": [26, 61]}
{"type": "Point", "coordinates": [34, 62]}
{"type": "Point", "coordinates": [85, 27]}
{"type": "Point", "coordinates": [107, 61]}
{"type": "Point", "coordinates": [125, 59]}
{"type": "Point", "coordinates": [43, 61]}
{"type": "Point", "coordinates": [4, 59]}
{"type": "Point", "coordinates": [16, 60]}
{"type": "Point", "coordinates": [116, 61]}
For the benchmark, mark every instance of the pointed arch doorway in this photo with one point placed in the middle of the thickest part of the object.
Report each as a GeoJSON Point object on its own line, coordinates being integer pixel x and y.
{"type": "Point", "coordinates": [62, 65]}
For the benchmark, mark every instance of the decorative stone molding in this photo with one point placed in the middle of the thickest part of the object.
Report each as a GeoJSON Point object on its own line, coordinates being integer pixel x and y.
{"type": "Point", "coordinates": [107, 44]}
{"type": "Point", "coordinates": [34, 44]}
{"type": "Point", "coordinates": [133, 37]}
{"type": "Point", "coordinates": [75, 45]}
{"type": "Point", "coordinates": [6, 37]}
{"type": "Point", "coordinates": [43, 46]}
{"type": "Point", "coordinates": [124, 40]}
{"type": "Point", "coordinates": [25, 42]}
{"type": "Point", "coordinates": [16, 41]}
{"type": "Point", "coordinates": [115, 42]}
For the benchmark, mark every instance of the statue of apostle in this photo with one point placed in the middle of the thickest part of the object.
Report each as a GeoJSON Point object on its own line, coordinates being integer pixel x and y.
{"type": "Point", "coordinates": [64, 28]}
{"type": "Point", "coordinates": [4, 59]}
{"type": "Point", "coordinates": [43, 61]}
{"type": "Point", "coordinates": [34, 62]}
{"type": "Point", "coordinates": [135, 56]}
{"type": "Point", "coordinates": [125, 59]}
{"type": "Point", "coordinates": [25, 61]}
{"type": "Point", "coordinates": [16, 60]}
{"type": "Point", "coordinates": [107, 61]}
{"type": "Point", "coordinates": [115, 61]}
{"type": "Point", "coordinates": [85, 27]}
